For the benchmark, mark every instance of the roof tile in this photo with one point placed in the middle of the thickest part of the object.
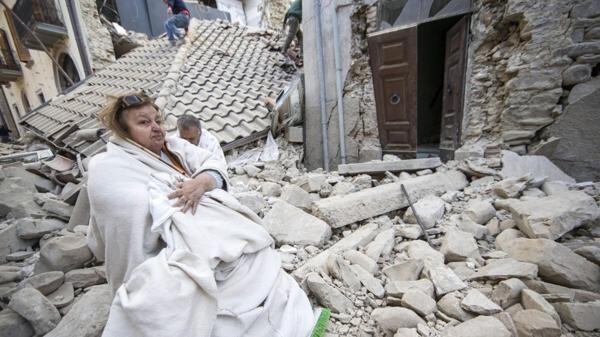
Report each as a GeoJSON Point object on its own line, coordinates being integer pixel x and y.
{"type": "Point", "coordinates": [225, 76]}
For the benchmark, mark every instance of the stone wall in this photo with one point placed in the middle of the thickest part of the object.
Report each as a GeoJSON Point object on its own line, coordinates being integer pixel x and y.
{"type": "Point", "coordinates": [359, 100]}
{"type": "Point", "coordinates": [572, 141]}
{"type": "Point", "coordinates": [355, 20]}
{"type": "Point", "coordinates": [273, 12]}
{"type": "Point", "coordinates": [515, 84]}
{"type": "Point", "coordinates": [98, 40]}
{"type": "Point", "coordinates": [523, 63]}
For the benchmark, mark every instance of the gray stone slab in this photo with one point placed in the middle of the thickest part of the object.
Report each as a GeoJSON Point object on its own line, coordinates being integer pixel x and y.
{"type": "Point", "coordinates": [81, 210]}
{"type": "Point", "coordinates": [88, 316]}
{"type": "Point", "coordinates": [328, 295]}
{"type": "Point", "coordinates": [58, 208]}
{"type": "Point", "coordinates": [375, 167]}
{"type": "Point", "coordinates": [502, 269]}
{"type": "Point", "coordinates": [339, 211]}
{"type": "Point", "coordinates": [41, 184]}
{"type": "Point", "coordinates": [479, 327]}
{"type": "Point", "coordinates": [37, 309]}
{"type": "Point", "coordinates": [63, 253]}
{"type": "Point", "coordinates": [291, 225]}
{"type": "Point", "coordinates": [360, 237]}
{"type": "Point", "coordinates": [16, 197]}
{"type": "Point", "coordinates": [14, 325]}
{"type": "Point", "coordinates": [577, 127]}
{"type": "Point", "coordinates": [583, 89]}
{"type": "Point", "coordinates": [34, 229]}
{"type": "Point", "coordinates": [515, 166]}
{"type": "Point", "coordinates": [294, 134]}
{"type": "Point", "coordinates": [10, 242]}
{"type": "Point", "coordinates": [582, 316]}
{"type": "Point", "coordinates": [556, 263]}
{"type": "Point", "coordinates": [553, 216]}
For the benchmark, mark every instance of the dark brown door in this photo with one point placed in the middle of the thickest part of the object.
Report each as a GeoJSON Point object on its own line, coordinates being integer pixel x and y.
{"type": "Point", "coordinates": [393, 58]}
{"type": "Point", "coordinates": [454, 80]}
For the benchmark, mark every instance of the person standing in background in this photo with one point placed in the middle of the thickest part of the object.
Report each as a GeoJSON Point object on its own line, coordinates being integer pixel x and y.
{"type": "Point", "coordinates": [179, 17]}
{"type": "Point", "coordinates": [293, 19]}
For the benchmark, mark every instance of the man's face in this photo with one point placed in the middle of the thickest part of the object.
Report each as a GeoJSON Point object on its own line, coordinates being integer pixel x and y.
{"type": "Point", "coordinates": [192, 134]}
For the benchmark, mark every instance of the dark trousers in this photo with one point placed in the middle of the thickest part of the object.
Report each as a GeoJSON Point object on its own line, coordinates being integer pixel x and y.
{"type": "Point", "coordinates": [293, 25]}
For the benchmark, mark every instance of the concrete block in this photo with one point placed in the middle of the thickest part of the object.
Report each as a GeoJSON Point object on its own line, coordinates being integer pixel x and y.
{"type": "Point", "coordinates": [515, 166]}
{"type": "Point", "coordinates": [41, 184]}
{"type": "Point", "coordinates": [70, 193]}
{"type": "Point", "coordinates": [360, 237]}
{"type": "Point", "coordinates": [553, 216]}
{"type": "Point", "coordinates": [58, 208]}
{"type": "Point", "coordinates": [582, 316]}
{"type": "Point", "coordinates": [375, 167]}
{"type": "Point", "coordinates": [294, 134]}
{"type": "Point", "coordinates": [339, 211]}
{"type": "Point", "coordinates": [291, 225]}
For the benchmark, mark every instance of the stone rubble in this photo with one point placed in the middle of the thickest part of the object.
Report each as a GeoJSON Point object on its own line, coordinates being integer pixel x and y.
{"type": "Point", "coordinates": [354, 246]}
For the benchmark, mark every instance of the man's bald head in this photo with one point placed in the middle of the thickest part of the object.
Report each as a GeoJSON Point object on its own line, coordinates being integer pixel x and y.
{"type": "Point", "coordinates": [189, 128]}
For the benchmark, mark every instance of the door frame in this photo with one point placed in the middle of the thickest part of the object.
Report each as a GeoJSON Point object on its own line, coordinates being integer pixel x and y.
{"type": "Point", "coordinates": [402, 128]}
{"type": "Point", "coordinates": [447, 153]}
{"type": "Point", "coordinates": [416, 25]}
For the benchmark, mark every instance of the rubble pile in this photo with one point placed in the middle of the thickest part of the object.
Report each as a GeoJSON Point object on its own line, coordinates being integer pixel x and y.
{"type": "Point", "coordinates": [514, 244]}
{"type": "Point", "coordinates": [50, 284]}
{"type": "Point", "coordinates": [496, 253]}
{"type": "Point", "coordinates": [7, 148]}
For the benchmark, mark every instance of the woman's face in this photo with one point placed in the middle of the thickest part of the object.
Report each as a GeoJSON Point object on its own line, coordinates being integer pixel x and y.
{"type": "Point", "coordinates": [144, 126]}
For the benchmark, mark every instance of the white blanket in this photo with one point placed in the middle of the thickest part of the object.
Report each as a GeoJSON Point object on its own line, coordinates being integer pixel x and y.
{"type": "Point", "coordinates": [217, 274]}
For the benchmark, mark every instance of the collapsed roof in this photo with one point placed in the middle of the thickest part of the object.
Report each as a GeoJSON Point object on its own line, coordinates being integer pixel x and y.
{"type": "Point", "coordinates": [221, 74]}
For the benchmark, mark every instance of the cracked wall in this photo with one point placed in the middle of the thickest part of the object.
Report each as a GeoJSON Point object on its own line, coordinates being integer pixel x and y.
{"type": "Point", "coordinates": [98, 40]}
{"type": "Point", "coordinates": [273, 12]}
{"type": "Point", "coordinates": [355, 20]}
{"type": "Point", "coordinates": [358, 89]}
{"type": "Point", "coordinates": [523, 65]}
{"type": "Point", "coordinates": [515, 85]}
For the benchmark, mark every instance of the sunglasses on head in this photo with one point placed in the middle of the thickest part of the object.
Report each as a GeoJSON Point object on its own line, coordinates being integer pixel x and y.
{"type": "Point", "coordinates": [131, 100]}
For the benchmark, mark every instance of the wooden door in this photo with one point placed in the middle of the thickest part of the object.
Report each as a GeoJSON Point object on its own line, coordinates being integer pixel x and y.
{"type": "Point", "coordinates": [454, 87]}
{"type": "Point", "coordinates": [393, 60]}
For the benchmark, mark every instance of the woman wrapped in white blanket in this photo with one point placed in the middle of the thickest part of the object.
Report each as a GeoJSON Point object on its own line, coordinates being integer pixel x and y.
{"type": "Point", "coordinates": [183, 257]}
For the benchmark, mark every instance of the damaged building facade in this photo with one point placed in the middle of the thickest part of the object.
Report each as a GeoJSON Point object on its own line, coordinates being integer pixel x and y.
{"type": "Point", "coordinates": [455, 79]}
{"type": "Point", "coordinates": [28, 75]}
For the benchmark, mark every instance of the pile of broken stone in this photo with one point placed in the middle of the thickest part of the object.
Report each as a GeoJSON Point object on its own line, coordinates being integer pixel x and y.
{"type": "Point", "coordinates": [510, 247]}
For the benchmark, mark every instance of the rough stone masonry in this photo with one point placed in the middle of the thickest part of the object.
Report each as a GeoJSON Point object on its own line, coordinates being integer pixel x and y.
{"type": "Point", "coordinates": [529, 76]}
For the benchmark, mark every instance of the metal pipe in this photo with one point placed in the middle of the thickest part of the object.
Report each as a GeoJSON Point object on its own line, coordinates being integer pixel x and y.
{"type": "Point", "coordinates": [338, 85]}
{"type": "Point", "coordinates": [321, 70]}
{"type": "Point", "coordinates": [415, 213]}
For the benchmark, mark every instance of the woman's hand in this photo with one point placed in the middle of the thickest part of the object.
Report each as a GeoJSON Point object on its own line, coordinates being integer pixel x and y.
{"type": "Point", "coordinates": [191, 191]}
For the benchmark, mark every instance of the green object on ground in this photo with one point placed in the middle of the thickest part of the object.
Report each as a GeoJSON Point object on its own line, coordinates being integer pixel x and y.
{"type": "Point", "coordinates": [321, 325]}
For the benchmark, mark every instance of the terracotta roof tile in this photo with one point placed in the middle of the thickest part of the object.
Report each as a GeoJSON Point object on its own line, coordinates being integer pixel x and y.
{"type": "Point", "coordinates": [225, 76]}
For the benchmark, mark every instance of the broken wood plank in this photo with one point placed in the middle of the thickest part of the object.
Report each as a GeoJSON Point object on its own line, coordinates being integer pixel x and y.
{"type": "Point", "coordinates": [374, 167]}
